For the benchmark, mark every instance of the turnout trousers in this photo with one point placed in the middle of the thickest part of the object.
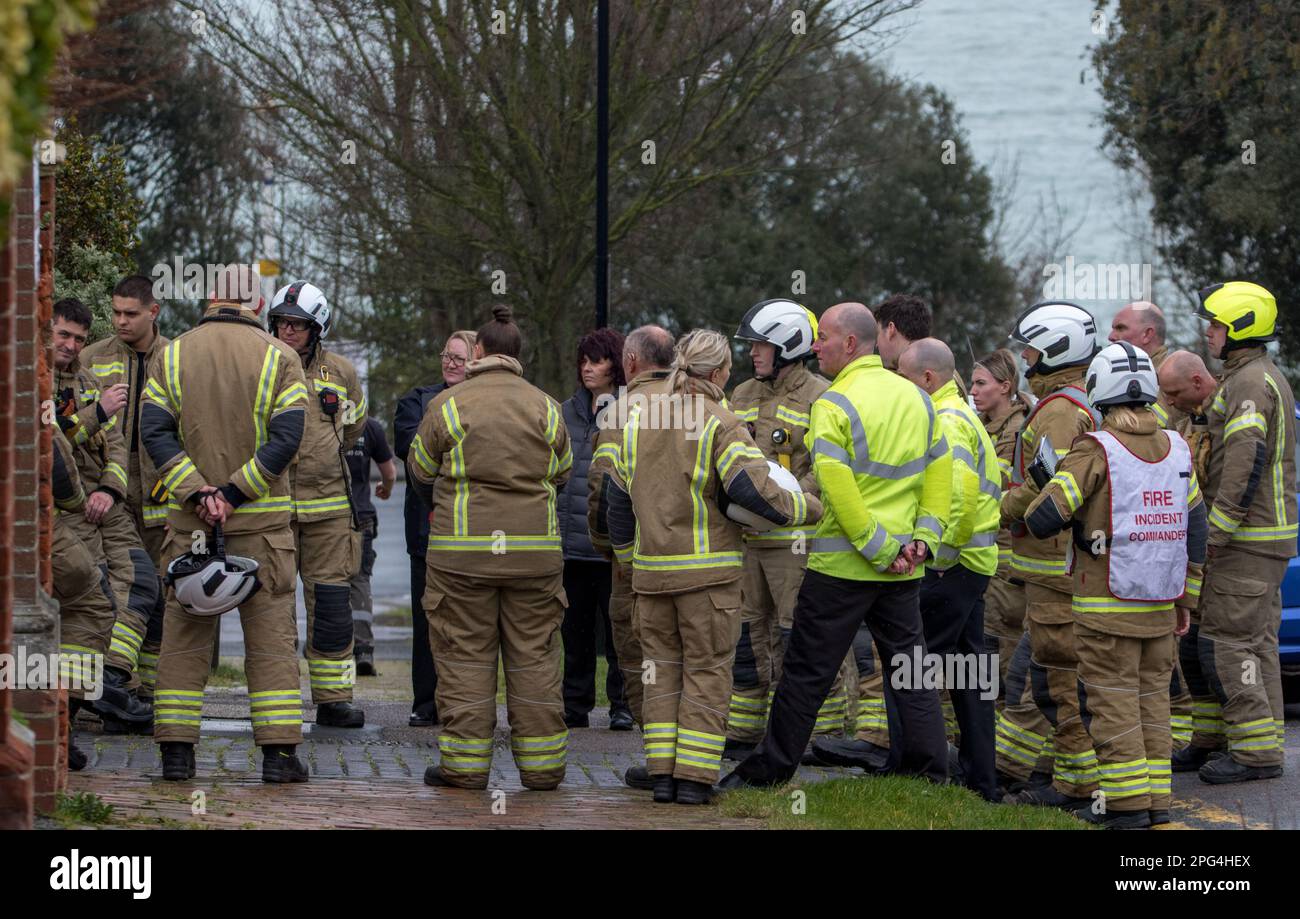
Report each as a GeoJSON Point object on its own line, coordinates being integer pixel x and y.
{"type": "Point", "coordinates": [329, 554]}
{"type": "Point", "coordinates": [689, 642]}
{"type": "Point", "coordinates": [1230, 658]}
{"type": "Point", "coordinates": [476, 624]}
{"type": "Point", "coordinates": [769, 590]}
{"type": "Point", "coordinates": [1124, 702]}
{"type": "Point", "coordinates": [826, 619]}
{"type": "Point", "coordinates": [270, 633]}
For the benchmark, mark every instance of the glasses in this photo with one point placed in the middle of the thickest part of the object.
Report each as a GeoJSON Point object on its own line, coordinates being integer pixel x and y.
{"type": "Point", "coordinates": [451, 360]}
{"type": "Point", "coordinates": [298, 325]}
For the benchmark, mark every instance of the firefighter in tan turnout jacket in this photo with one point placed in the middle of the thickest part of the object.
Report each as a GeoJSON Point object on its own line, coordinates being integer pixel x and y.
{"type": "Point", "coordinates": [222, 419]}
{"type": "Point", "coordinates": [647, 354]}
{"type": "Point", "coordinates": [1140, 524]}
{"type": "Point", "coordinates": [775, 406]}
{"type": "Point", "coordinates": [489, 457]}
{"type": "Point", "coordinates": [680, 464]}
{"type": "Point", "coordinates": [120, 366]}
{"type": "Point", "coordinates": [1059, 342]}
{"type": "Point", "coordinates": [105, 525]}
{"type": "Point", "coordinates": [325, 527]}
{"type": "Point", "coordinates": [1231, 659]}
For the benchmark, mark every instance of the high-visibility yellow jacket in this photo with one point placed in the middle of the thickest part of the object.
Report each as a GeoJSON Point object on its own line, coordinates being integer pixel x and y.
{"type": "Point", "coordinates": [779, 413]}
{"type": "Point", "coordinates": [884, 470]}
{"type": "Point", "coordinates": [224, 407]}
{"type": "Point", "coordinates": [1251, 486]}
{"type": "Point", "coordinates": [1061, 414]}
{"type": "Point", "coordinates": [678, 468]}
{"type": "Point", "coordinates": [489, 458]}
{"type": "Point", "coordinates": [971, 536]}
{"type": "Point", "coordinates": [100, 451]}
{"type": "Point", "coordinates": [110, 362]}
{"type": "Point", "coordinates": [316, 479]}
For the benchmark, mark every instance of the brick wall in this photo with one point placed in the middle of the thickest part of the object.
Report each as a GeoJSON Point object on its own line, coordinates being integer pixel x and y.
{"type": "Point", "coordinates": [33, 764]}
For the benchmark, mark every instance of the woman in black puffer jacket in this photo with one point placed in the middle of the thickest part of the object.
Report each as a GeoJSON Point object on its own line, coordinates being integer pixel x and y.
{"type": "Point", "coordinates": [586, 571]}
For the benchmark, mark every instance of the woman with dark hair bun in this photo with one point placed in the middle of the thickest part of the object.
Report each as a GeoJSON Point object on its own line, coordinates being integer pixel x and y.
{"type": "Point", "coordinates": [490, 458]}
{"type": "Point", "coordinates": [587, 573]}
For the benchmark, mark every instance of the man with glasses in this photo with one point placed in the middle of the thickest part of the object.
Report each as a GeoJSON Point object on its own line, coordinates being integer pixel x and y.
{"type": "Point", "coordinates": [406, 421]}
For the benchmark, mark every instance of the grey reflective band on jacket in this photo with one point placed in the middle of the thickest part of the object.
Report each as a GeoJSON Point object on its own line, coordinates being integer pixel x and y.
{"type": "Point", "coordinates": [977, 541]}
{"type": "Point", "coordinates": [980, 465]}
{"type": "Point", "coordinates": [861, 462]}
{"type": "Point", "coordinates": [841, 543]}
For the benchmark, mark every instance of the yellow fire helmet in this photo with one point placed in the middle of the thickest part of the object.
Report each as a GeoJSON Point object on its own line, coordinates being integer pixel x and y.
{"type": "Point", "coordinates": [1248, 310]}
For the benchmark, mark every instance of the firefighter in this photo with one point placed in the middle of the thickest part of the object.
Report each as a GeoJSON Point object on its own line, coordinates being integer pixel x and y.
{"type": "Point", "coordinates": [885, 475]}
{"type": "Point", "coordinates": [489, 457]}
{"type": "Point", "coordinates": [647, 357]}
{"type": "Point", "coordinates": [1139, 532]}
{"type": "Point", "coordinates": [222, 419]}
{"type": "Point", "coordinates": [685, 473]}
{"type": "Point", "coordinates": [1059, 342]}
{"type": "Point", "coordinates": [1235, 674]}
{"type": "Point", "coordinates": [775, 406]}
{"type": "Point", "coordinates": [105, 525]}
{"type": "Point", "coordinates": [120, 365]}
{"type": "Point", "coordinates": [326, 528]}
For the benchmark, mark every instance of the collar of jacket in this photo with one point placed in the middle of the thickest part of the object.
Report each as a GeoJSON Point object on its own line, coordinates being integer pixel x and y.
{"type": "Point", "coordinates": [998, 422]}
{"type": "Point", "coordinates": [1147, 424]}
{"type": "Point", "coordinates": [645, 378]}
{"type": "Point", "coordinates": [227, 311]}
{"type": "Point", "coordinates": [947, 394]}
{"type": "Point", "coordinates": [1158, 356]}
{"type": "Point", "coordinates": [1046, 383]}
{"type": "Point", "coordinates": [697, 386]}
{"type": "Point", "coordinates": [793, 379]}
{"type": "Point", "coordinates": [318, 354]}
{"type": "Point", "coordinates": [866, 362]}
{"type": "Point", "coordinates": [494, 362]}
{"type": "Point", "coordinates": [1240, 357]}
{"type": "Point", "coordinates": [126, 350]}
{"type": "Point", "coordinates": [583, 397]}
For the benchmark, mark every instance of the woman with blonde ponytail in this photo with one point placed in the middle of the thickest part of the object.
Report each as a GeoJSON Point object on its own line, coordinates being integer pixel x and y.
{"type": "Point", "coordinates": [668, 499]}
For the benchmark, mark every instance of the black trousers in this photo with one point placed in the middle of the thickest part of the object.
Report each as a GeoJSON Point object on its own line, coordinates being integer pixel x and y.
{"type": "Point", "coordinates": [587, 585]}
{"type": "Point", "coordinates": [826, 618]}
{"type": "Point", "coordinates": [952, 614]}
{"type": "Point", "coordinates": [424, 677]}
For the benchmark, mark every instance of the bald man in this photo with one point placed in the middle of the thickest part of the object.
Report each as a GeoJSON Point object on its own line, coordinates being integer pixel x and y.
{"type": "Point", "coordinates": [886, 478]}
{"type": "Point", "coordinates": [1142, 324]}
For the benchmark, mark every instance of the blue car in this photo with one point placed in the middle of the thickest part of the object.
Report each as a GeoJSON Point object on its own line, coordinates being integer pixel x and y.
{"type": "Point", "coordinates": [1289, 634]}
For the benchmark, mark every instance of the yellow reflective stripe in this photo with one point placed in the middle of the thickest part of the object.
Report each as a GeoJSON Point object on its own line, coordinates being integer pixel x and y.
{"type": "Point", "coordinates": [1279, 490]}
{"type": "Point", "coordinates": [267, 505]}
{"type": "Point", "coordinates": [151, 512]}
{"type": "Point", "coordinates": [793, 416]}
{"type": "Point", "coordinates": [296, 392]}
{"type": "Point", "coordinates": [113, 469]}
{"type": "Point", "coordinates": [153, 392]}
{"type": "Point", "coordinates": [422, 457]}
{"type": "Point", "coordinates": [460, 506]}
{"type": "Point", "coordinates": [262, 403]}
{"type": "Point", "coordinates": [1222, 521]}
{"type": "Point", "coordinates": [104, 370]}
{"type": "Point", "coordinates": [1194, 491]}
{"type": "Point", "coordinates": [172, 371]}
{"type": "Point", "coordinates": [747, 414]}
{"type": "Point", "coordinates": [501, 543]}
{"type": "Point", "coordinates": [1243, 422]}
{"type": "Point", "coordinates": [1069, 488]}
{"type": "Point", "coordinates": [700, 478]}
{"type": "Point", "coordinates": [320, 505]}
{"type": "Point", "coordinates": [733, 453]}
{"type": "Point", "coordinates": [687, 562]}
{"type": "Point", "coordinates": [1037, 565]}
{"type": "Point", "coordinates": [1265, 534]}
{"type": "Point", "coordinates": [1161, 415]}
{"type": "Point", "coordinates": [606, 451]}
{"type": "Point", "coordinates": [178, 474]}
{"type": "Point", "coordinates": [255, 478]}
{"type": "Point", "coordinates": [322, 385]}
{"type": "Point", "coordinates": [1113, 605]}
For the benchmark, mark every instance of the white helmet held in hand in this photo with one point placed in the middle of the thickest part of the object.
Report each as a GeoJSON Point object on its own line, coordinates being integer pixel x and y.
{"type": "Point", "coordinates": [1063, 334]}
{"type": "Point", "coordinates": [1121, 374]}
{"type": "Point", "coordinates": [751, 521]}
{"type": "Point", "coordinates": [214, 583]}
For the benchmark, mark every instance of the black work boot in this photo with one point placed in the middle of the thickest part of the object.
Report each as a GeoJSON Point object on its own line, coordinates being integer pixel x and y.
{"type": "Point", "coordinates": [1119, 820]}
{"type": "Point", "coordinates": [838, 751]}
{"type": "Point", "coordinates": [177, 761]}
{"type": "Point", "coordinates": [365, 658]}
{"type": "Point", "coordinates": [737, 749]}
{"type": "Point", "coordinates": [76, 759]}
{"type": "Point", "coordinates": [117, 703]}
{"type": "Point", "coordinates": [280, 765]}
{"type": "Point", "coordinates": [639, 777]}
{"type": "Point", "coordinates": [340, 715]}
{"type": "Point", "coordinates": [1159, 816]}
{"type": "Point", "coordinates": [665, 789]}
{"type": "Point", "coordinates": [689, 792]}
{"type": "Point", "coordinates": [1191, 758]}
{"type": "Point", "coordinates": [1224, 770]}
{"type": "Point", "coordinates": [1047, 796]}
